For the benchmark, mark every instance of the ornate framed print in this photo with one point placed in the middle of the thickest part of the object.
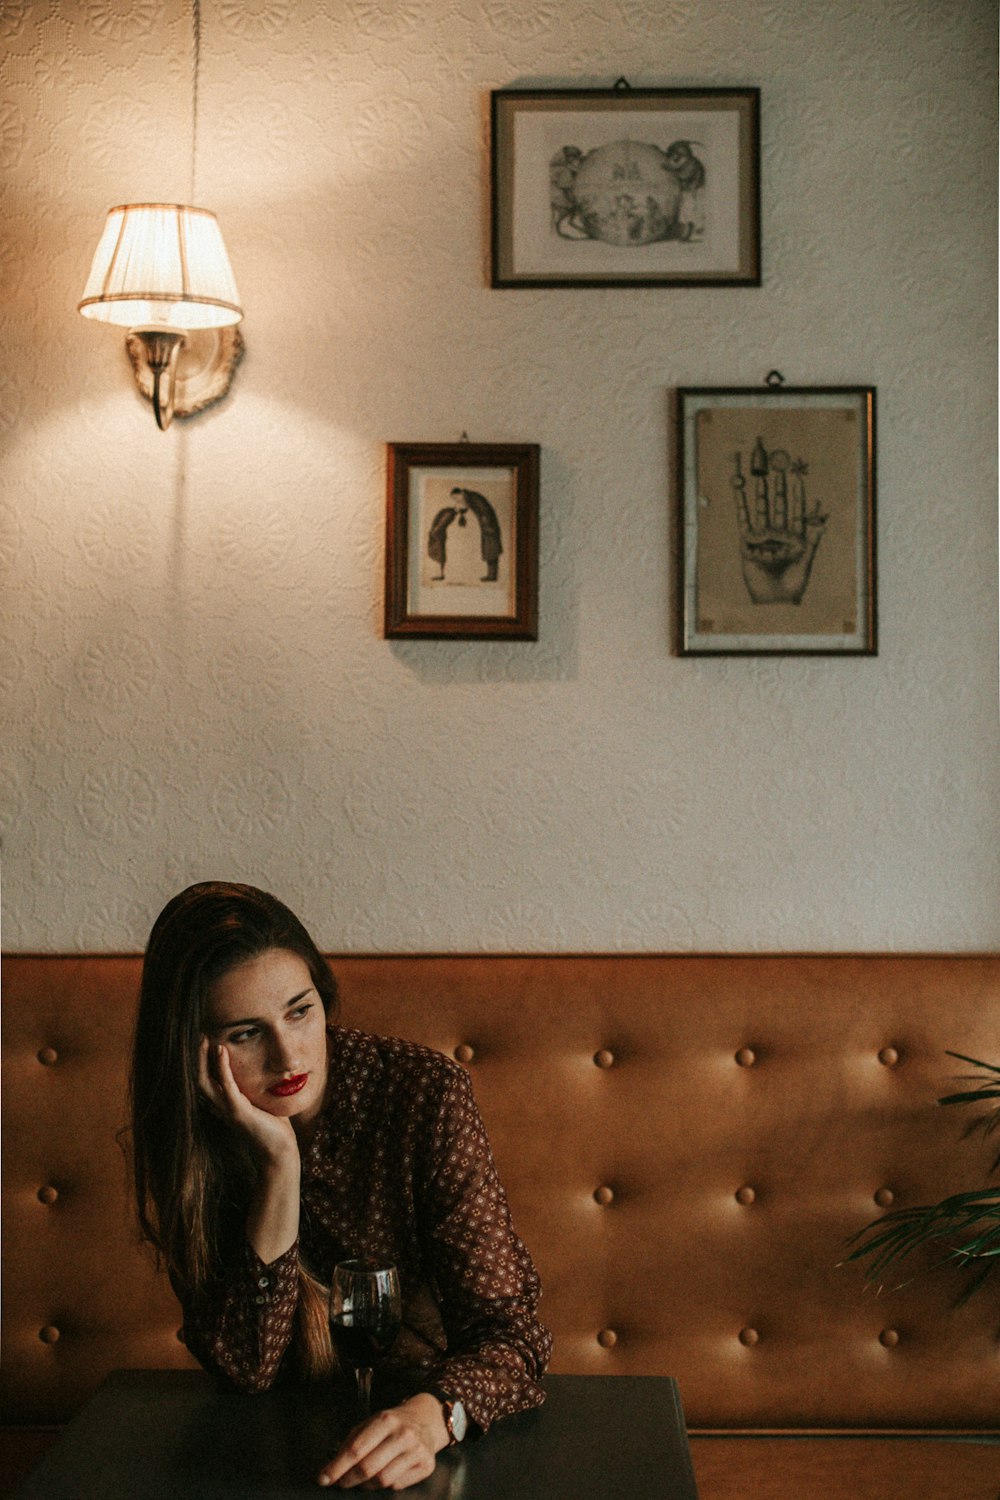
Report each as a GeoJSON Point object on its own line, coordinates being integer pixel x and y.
{"type": "Point", "coordinates": [625, 187]}
{"type": "Point", "coordinates": [776, 513]}
{"type": "Point", "coordinates": [461, 557]}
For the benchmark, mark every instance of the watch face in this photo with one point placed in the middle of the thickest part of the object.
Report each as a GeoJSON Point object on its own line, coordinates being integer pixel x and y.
{"type": "Point", "coordinates": [459, 1422]}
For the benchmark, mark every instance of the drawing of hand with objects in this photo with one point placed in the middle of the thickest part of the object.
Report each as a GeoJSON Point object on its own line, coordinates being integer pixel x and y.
{"type": "Point", "coordinates": [779, 530]}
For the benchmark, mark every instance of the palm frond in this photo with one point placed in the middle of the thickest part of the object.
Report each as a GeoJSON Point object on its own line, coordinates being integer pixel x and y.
{"type": "Point", "coordinates": [988, 1087]}
{"type": "Point", "coordinates": [975, 1062]}
{"type": "Point", "coordinates": [969, 1223]}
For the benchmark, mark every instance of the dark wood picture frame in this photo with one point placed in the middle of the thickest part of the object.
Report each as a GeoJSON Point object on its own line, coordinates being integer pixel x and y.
{"type": "Point", "coordinates": [776, 540]}
{"type": "Point", "coordinates": [625, 187]}
{"type": "Point", "coordinates": [461, 556]}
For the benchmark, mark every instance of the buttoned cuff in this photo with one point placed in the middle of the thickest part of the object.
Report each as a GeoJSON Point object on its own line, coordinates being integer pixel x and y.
{"type": "Point", "coordinates": [273, 1283]}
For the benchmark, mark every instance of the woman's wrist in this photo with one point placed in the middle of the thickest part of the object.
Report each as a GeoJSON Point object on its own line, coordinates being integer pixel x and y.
{"type": "Point", "coordinates": [280, 1158]}
{"type": "Point", "coordinates": [427, 1413]}
{"type": "Point", "coordinates": [273, 1220]}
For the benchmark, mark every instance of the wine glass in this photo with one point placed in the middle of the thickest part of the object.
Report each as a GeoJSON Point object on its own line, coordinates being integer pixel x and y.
{"type": "Point", "coordinates": [365, 1314]}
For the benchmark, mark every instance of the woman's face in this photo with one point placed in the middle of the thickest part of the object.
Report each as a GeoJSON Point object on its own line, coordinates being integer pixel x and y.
{"type": "Point", "coordinates": [271, 1021]}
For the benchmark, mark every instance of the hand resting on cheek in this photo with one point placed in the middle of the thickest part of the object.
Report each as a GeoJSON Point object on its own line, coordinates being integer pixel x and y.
{"type": "Point", "coordinates": [272, 1135]}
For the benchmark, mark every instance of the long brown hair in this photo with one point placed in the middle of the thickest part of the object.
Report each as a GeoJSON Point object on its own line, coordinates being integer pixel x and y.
{"type": "Point", "coordinates": [194, 1175]}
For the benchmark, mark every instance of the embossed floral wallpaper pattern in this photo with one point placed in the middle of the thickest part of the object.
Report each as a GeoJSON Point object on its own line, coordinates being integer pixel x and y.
{"type": "Point", "coordinates": [193, 677]}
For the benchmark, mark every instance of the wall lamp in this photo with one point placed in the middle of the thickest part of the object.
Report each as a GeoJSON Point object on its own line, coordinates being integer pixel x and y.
{"type": "Point", "coordinates": [161, 270]}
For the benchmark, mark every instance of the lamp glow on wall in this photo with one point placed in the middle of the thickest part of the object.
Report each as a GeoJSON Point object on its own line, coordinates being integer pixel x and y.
{"type": "Point", "coordinates": [161, 270]}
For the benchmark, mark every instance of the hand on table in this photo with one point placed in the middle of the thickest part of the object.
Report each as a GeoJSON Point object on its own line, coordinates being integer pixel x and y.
{"type": "Point", "coordinates": [392, 1449]}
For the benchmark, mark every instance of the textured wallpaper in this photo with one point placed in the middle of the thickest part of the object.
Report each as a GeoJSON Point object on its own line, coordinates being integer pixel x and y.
{"type": "Point", "coordinates": [193, 676]}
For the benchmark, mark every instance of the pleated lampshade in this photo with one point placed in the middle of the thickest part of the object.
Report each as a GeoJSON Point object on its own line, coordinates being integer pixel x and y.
{"type": "Point", "coordinates": [161, 265]}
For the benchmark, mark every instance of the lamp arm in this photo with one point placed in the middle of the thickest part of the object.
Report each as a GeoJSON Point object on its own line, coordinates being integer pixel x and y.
{"type": "Point", "coordinates": [162, 347]}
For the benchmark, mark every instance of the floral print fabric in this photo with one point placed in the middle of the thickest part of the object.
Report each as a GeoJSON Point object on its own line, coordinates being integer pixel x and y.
{"type": "Point", "coordinates": [400, 1169]}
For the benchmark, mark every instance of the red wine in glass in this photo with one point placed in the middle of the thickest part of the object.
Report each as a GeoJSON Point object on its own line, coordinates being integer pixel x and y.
{"type": "Point", "coordinates": [365, 1314]}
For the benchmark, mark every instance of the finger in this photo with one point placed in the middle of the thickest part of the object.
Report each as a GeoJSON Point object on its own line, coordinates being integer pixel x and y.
{"type": "Point", "coordinates": [361, 1442]}
{"type": "Point", "coordinates": [371, 1467]}
{"type": "Point", "coordinates": [399, 1460]}
{"type": "Point", "coordinates": [206, 1082]}
{"type": "Point", "coordinates": [742, 513]}
{"type": "Point", "coordinates": [815, 524]}
{"type": "Point", "coordinates": [358, 1476]}
{"type": "Point", "coordinates": [221, 1088]}
{"type": "Point", "coordinates": [761, 519]}
{"type": "Point", "coordinates": [409, 1468]}
{"type": "Point", "coordinates": [227, 1082]}
{"type": "Point", "coordinates": [779, 504]}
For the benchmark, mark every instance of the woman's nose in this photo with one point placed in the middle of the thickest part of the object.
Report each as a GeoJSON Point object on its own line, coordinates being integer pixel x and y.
{"type": "Point", "coordinates": [282, 1053]}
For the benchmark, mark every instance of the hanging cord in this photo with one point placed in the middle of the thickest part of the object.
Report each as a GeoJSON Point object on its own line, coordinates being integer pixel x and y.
{"type": "Point", "coordinates": [195, 70]}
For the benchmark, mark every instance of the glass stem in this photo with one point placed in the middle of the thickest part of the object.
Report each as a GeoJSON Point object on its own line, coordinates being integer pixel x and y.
{"type": "Point", "coordinates": [364, 1380]}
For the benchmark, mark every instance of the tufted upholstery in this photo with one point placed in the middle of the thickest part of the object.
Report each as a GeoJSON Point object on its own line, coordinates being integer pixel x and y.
{"type": "Point", "coordinates": [686, 1142]}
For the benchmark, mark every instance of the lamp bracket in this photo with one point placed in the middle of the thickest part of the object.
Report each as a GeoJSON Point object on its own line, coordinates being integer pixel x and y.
{"type": "Point", "coordinates": [205, 364]}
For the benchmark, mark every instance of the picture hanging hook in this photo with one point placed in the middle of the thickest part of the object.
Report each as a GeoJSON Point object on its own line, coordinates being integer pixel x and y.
{"type": "Point", "coordinates": [465, 437]}
{"type": "Point", "coordinates": [622, 83]}
{"type": "Point", "coordinates": [774, 377]}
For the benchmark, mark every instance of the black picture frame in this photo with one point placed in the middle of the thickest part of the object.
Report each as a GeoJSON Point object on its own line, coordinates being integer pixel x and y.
{"type": "Point", "coordinates": [461, 557]}
{"type": "Point", "coordinates": [625, 187]}
{"type": "Point", "coordinates": [776, 513]}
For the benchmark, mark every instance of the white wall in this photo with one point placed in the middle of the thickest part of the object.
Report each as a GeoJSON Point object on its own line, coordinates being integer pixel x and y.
{"type": "Point", "coordinates": [194, 678]}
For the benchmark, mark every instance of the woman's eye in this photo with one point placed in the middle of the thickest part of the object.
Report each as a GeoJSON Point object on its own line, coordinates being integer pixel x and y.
{"type": "Point", "coordinates": [242, 1036]}
{"type": "Point", "coordinates": [300, 1011]}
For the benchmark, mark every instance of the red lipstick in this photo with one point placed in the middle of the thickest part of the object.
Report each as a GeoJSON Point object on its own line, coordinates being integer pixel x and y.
{"type": "Point", "coordinates": [289, 1086]}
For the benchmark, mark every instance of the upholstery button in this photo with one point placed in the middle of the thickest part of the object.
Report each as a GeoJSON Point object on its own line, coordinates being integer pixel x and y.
{"type": "Point", "coordinates": [607, 1338]}
{"type": "Point", "coordinates": [49, 1334]}
{"type": "Point", "coordinates": [48, 1194]}
{"type": "Point", "coordinates": [260, 1301]}
{"type": "Point", "coordinates": [48, 1056]}
{"type": "Point", "coordinates": [884, 1197]}
{"type": "Point", "coordinates": [604, 1058]}
{"type": "Point", "coordinates": [264, 1281]}
{"type": "Point", "coordinates": [745, 1195]}
{"type": "Point", "coordinates": [888, 1338]}
{"type": "Point", "coordinates": [464, 1053]}
{"type": "Point", "coordinates": [888, 1057]}
{"type": "Point", "coordinates": [604, 1195]}
{"type": "Point", "coordinates": [746, 1057]}
{"type": "Point", "coordinates": [749, 1337]}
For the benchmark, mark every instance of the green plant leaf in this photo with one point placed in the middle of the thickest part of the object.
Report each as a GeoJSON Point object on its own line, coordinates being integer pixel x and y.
{"type": "Point", "coordinates": [969, 1221]}
{"type": "Point", "coordinates": [976, 1062]}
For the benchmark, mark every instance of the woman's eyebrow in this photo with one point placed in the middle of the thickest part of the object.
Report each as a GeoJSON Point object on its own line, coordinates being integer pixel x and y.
{"type": "Point", "coordinates": [300, 996]}
{"type": "Point", "coordinates": [255, 1020]}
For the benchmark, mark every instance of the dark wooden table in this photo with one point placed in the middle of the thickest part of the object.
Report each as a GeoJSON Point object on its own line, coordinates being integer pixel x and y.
{"type": "Point", "coordinates": [172, 1435]}
{"type": "Point", "coordinates": [831, 1466]}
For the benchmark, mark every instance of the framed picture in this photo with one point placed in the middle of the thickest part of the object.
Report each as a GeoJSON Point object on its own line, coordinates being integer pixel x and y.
{"type": "Point", "coordinates": [776, 521]}
{"type": "Point", "coordinates": [461, 557]}
{"type": "Point", "coordinates": [626, 187]}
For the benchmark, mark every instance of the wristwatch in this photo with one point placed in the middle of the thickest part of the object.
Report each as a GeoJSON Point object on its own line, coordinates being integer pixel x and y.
{"type": "Point", "coordinates": [455, 1419]}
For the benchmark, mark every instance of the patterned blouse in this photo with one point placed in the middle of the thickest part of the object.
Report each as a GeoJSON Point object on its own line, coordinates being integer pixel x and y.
{"type": "Point", "coordinates": [399, 1168]}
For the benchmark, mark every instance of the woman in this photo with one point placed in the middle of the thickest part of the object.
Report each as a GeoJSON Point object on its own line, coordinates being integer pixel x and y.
{"type": "Point", "coordinates": [270, 1143]}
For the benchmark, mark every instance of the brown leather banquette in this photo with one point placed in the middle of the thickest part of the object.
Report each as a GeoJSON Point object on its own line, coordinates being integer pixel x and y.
{"type": "Point", "coordinates": [686, 1142]}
